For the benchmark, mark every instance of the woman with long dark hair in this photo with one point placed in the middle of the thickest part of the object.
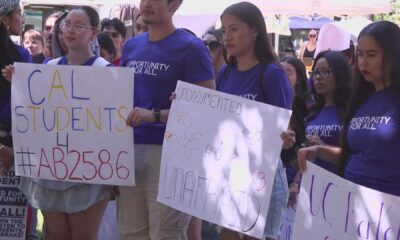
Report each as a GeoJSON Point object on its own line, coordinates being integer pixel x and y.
{"type": "Point", "coordinates": [371, 134]}
{"type": "Point", "coordinates": [71, 210]}
{"type": "Point", "coordinates": [11, 21]}
{"type": "Point", "coordinates": [10, 24]}
{"type": "Point", "coordinates": [331, 77]}
{"type": "Point", "coordinates": [253, 72]}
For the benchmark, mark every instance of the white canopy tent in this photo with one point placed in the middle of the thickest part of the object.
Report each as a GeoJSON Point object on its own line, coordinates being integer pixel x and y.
{"type": "Point", "coordinates": [286, 7]}
{"type": "Point", "coordinates": [209, 10]}
{"type": "Point", "coordinates": [291, 7]}
{"type": "Point", "coordinates": [198, 15]}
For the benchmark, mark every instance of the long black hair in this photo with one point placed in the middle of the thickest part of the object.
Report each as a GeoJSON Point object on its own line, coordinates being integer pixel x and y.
{"type": "Point", "coordinates": [301, 85]}
{"type": "Point", "coordinates": [252, 16]}
{"type": "Point", "coordinates": [387, 36]}
{"type": "Point", "coordinates": [9, 52]}
{"type": "Point", "coordinates": [92, 14]}
{"type": "Point", "coordinates": [343, 75]}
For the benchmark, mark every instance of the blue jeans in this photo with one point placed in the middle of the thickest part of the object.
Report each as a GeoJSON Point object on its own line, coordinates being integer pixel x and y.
{"type": "Point", "coordinates": [278, 203]}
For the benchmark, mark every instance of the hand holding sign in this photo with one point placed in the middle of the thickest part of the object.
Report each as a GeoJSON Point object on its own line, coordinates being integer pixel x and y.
{"type": "Point", "coordinates": [81, 126]}
{"type": "Point", "coordinates": [6, 159]}
{"type": "Point", "coordinates": [7, 72]}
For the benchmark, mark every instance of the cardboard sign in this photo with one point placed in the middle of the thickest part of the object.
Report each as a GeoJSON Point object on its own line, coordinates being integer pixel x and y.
{"type": "Point", "coordinates": [332, 208]}
{"type": "Point", "coordinates": [219, 158]}
{"type": "Point", "coordinates": [69, 123]}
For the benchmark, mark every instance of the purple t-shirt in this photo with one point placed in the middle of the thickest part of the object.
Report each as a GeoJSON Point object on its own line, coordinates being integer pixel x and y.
{"type": "Point", "coordinates": [64, 61]}
{"type": "Point", "coordinates": [326, 125]}
{"type": "Point", "coordinates": [158, 66]}
{"type": "Point", "coordinates": [374, 141]}
{"type": "Point", "coordinates": [276, 86]}
{"type": "Point", "coordinates": [5, 97]}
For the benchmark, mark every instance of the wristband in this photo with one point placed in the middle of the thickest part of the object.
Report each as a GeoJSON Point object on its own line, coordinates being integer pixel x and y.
{"type": "Point", "coordinates": [157, 114]}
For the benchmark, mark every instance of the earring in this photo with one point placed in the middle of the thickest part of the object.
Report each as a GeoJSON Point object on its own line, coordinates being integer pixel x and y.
{"type": "Point", "coordinates": [7, 27]}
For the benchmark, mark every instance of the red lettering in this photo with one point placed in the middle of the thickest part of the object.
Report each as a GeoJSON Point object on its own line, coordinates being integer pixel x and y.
{"type": "Point", "coordinates": [86, 162]}
{"type": "Point", "coordinates": [43, 156]}
{"type": "Point", "coordinates": [121, 169]}
{"type": "Point", "coordinates": [103, 163]}
{"type": "Point", "coordinates": [59, 162]}
{"type": "Point", "coordinates": [76, 164]}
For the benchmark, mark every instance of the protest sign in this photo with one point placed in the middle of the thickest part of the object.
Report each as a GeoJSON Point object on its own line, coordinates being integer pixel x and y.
{"type": "Point", "coordinates": [69, 123]}
{"type": "Point", "coordinates": [219, 158]}
{"type": "Point", "coordinates": [332, 208]}
{"type": "Point", "coordinates": [13, 208]}
{"type": "Point", "coordinates": [287, 222]}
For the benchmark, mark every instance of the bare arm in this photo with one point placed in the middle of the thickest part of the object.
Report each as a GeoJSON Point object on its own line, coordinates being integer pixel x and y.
{"type": "Point", "coordinates": [141, 115]}
{"type": "Point", "coordinates": [324, 152]}
{"type": "Point", "coordinates": [207, 84]}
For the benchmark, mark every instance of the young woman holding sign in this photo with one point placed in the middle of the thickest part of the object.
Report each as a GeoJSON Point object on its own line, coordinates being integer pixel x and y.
{"type": "Point", "coordinates": [331, 76]}
{"type": "Point", "coordinates": [71, 210]}
{"type": "Point", "coordinates": [11, 21]}
{"type": "Point", "coordinates": [371, 133]}
{"type": "Point", "coordinates": [253, 71]}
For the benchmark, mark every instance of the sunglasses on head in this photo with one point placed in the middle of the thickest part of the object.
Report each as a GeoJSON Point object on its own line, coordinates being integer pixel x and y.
{"type": "Point", "coordinates": [312, 35]}
{"type": "Point", "coordinates": [213, 45]}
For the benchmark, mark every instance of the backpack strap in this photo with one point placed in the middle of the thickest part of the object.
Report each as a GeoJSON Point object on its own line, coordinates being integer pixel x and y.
{"type": "Point", "coordinates": [261, 80]}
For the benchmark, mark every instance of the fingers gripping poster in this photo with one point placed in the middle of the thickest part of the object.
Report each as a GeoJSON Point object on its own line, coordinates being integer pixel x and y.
{"type": "Point", "coordinates": [69, 123]}
{"type": "Point", "coordinates": [219, 158]}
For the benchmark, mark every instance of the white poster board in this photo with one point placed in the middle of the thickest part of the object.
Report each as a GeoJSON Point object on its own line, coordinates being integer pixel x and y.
{"type": "Point", "coordinates": [287, 222]}
{"type": "Point", "coordinates": [69, 123]}
{"type": "Point", "coordinates": [13, 208]}
{"type": "Point", "coordinates": [332, 208]}
{"type": "Point", "coordinates": [219, 158]}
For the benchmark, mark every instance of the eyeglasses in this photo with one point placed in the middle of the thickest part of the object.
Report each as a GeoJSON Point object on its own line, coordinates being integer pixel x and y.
{"type": "Point", "coordinates": [213, 45]}
{"type": "Point", "coordinates": [312, 35]}
{"type": "Point", "coordinates": [48, 28]}
{"type": "Point", "coordinates": [112, 34]}
{"type": "Point", "coordinates": [66, 27]}
{"type": "Point", "coordinates": [323, 73]}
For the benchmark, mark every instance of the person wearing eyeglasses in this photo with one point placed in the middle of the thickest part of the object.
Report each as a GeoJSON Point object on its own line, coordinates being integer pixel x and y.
{"type": "Point", "coordinates": [307, 50]}
{"type": "Point", "coordinates": [213, 40]}
{"type": "Point", "coordinates": [370, 138]}
{"type": "Point", "coordinates": [331, 76]}
{"type": "Point", "coordinates": [71, 210]}
{"type": "Point", "coordinates": [115, 28]}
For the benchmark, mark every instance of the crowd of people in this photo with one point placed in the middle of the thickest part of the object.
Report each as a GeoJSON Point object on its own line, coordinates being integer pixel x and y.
{"type": "Point", "coordinates": [345, 89]}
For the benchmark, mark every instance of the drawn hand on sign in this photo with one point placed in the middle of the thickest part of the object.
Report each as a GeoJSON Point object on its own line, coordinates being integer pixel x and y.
{"type": "Point", "coordinates": [190, 142]}
{"type": "Point", "coordinates": [253, 137]}
{"type": "Point", "coordinates": [181, 115]}
{"type": "Point", "coordinates": [215, 151]}
{"type": "Point", "coordinates": [261, 181]}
